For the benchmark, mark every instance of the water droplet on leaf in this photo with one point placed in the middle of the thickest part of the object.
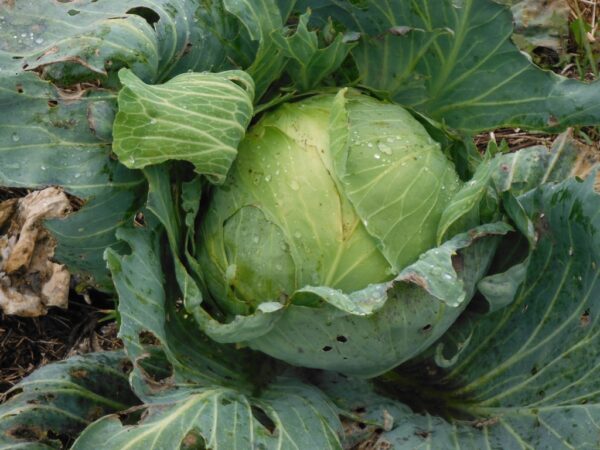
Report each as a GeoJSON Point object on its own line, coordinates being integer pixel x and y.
{"type": "Point", "coordinates": [384, 148]}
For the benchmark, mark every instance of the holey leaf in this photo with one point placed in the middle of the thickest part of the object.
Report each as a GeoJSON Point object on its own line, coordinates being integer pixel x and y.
{"type": "Point", "coordinates": [199, 394]}
{"type": "Point", "coordinates": [62, 136]}
{"type": "Point", "coordinates": [195, 117]}
{"type": "Point", "coordinates": [57, 401]}
{"type": "Point", "coordinates": [524, 376]}
{"type": "Point", "coordinates": [49, 138]}
{"type": "Point", "coordinates": [87, 40]}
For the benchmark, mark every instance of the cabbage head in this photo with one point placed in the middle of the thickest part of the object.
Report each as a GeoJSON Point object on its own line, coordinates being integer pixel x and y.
{"type": "Point", "coordinates": [330, 200]}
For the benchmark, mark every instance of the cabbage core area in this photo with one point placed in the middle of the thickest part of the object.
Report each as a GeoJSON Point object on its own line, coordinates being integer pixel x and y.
{"type": "Point", "coordinates": [339, 191]}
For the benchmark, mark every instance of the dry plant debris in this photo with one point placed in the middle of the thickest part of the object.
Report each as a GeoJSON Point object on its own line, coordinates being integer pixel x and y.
{"type": "Point", "coordinates": [30, 282]}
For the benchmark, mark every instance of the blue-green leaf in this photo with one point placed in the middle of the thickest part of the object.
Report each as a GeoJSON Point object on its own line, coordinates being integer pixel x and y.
{"type": "Point", "coordinates": [459, 65]}
{"type": "Point", "coordinates": [62, 398]}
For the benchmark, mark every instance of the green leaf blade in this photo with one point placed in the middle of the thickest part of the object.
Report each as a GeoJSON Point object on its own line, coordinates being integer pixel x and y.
{"type": "Point", "coordinates": [62, 398]}
{"type": "Point", "coordinates": [196, 117]}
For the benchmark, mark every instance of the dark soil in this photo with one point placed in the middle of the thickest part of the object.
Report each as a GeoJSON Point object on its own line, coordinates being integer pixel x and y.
{"type": "Point", "coordinates": [29, 343]}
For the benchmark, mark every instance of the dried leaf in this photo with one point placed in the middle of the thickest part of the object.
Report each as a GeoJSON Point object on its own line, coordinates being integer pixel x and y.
{"type": "Point", "coordinates": [30, 281]}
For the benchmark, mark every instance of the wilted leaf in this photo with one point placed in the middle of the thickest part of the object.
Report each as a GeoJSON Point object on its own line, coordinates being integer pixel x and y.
{"type": "Point", "coordinates": [30, 281]}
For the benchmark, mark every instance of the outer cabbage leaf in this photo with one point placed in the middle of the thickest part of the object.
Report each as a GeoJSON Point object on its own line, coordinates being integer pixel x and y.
{"type": "Point", "coordinates": [92, 40]}
{"type": "Point", "coordinates": [62, 398]}
{"type": "Point", "coordinates": [47, 138]}
{"type": "Point", "coordinates": [515, 174]}
{"type": "Point", "coordinates": [370, 331]}
{"type": "Point", "coordinates": [454, 62]}
{"type": "Point", "coordinates": [522, 377]}
{"type": "Point", "coordinates": [198, 392]}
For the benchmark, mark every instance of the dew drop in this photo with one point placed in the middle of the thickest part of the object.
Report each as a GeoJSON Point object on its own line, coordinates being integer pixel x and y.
{"type": "Point", "coordinates": [377, 156]}
{"type": "Point", "coordinates": [230, 273]}
{"type": "Point", "coordinates": [384, 148]}
{"type": "Point", "coordinates": [294, 185]}
{"type": "Point", "coordinates": [15, 137]}
{"type": "Point", "coordinates": [39, 41]}
{"type": "Point", "coordinates": [369, 145]}
{"type": "Point", "coordinates": [153, 121]}
{"type": "Point", "coordinates": [268, 178]}
{"type": "Point", "coordinates": [43, 167]}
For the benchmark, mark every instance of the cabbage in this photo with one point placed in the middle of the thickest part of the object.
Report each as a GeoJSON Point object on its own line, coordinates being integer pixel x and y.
{"type": "Point", "coordinates": [330, 199]}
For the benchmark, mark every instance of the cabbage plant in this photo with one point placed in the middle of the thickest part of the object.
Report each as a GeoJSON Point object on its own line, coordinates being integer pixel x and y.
{"type": "Point", "coordinates": [269, 188]}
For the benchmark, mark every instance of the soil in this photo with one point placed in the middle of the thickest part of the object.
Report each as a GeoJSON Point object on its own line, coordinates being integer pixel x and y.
{"type": "Point", "coordinates": [29, 343]}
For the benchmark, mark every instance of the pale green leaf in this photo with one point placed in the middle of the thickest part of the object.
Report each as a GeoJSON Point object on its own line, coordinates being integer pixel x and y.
{"type": "Point", "coordinates": [195, 117]}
